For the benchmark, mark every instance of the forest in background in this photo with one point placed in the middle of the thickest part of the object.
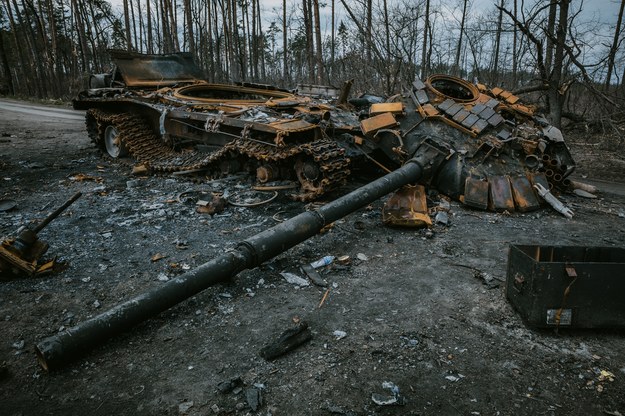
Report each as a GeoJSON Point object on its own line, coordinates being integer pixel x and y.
{"type": "Point", "coordinates": [574, 68]}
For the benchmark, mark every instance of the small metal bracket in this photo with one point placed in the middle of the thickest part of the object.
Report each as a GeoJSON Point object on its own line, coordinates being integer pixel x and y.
{"type": "Point", "coordinates": [570, 271]}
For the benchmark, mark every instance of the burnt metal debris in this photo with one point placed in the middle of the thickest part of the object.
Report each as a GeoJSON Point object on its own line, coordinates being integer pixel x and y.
{"type": "Point", "coordinates": [21, 255]}
{"type": "Point", "coordinates": [157, 109]}
{"type": "Point", "coordinates": [478, 145]}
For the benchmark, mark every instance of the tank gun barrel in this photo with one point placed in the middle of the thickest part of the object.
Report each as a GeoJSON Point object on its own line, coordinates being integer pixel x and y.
{"type": "Point", "coordinates": [52, 352]}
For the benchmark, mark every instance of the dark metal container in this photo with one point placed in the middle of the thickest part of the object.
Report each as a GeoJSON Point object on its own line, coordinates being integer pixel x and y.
{"type": "Point", "coordinates": [576, 287]}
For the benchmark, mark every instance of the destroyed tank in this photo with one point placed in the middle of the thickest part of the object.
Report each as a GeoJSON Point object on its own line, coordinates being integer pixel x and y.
{"type": "Point", "coordinates": [158, 110]}
{"type": "Point", "coordinates": [478, 145]}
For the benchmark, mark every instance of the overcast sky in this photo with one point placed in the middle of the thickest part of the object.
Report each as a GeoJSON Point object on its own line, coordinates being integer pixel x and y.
{"type": "Point", "coordinates": [604, 11]}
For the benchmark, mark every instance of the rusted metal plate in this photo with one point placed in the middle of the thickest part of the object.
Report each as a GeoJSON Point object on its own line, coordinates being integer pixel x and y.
{"type": "Point", "coordinates": [430, 110]}
{"type": "Point", "coordinates": [393, 108]}
{"type": "Point", "coordinates": [501, 193]}
{"type": "Point", "coordinates": [476, 193]}
{"type": "Point", "coordinates": [138, 70]}
{"type": "Point", "coordinates": [512, 99]}
{"type": "Point", "coordinates": [496, 91]}
{"type": "Point", "coordinates": [528, 111]}
{"type": "Point", "coordinates": [382, 121]}
{"type": "Point", "coordinates": [505, 95]}
{"type": "Point", "coordinates": [407, 207]}
{"type": "Point", "coordinates": [524, 197]}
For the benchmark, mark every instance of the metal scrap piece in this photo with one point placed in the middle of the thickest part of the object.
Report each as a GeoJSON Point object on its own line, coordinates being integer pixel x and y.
{"type": "Point", "coordinates": [501, 193]}
{"type": "Point", "coordinates": [407, 207]}
{"type": "Point", "coordinates": [553, 201]}
{"type": "Point", "coordinates": [524, 196]}
{"type": "Point", "coordinates": [371, 125]}
{"type": "Point", "coordinates": [476, 193]}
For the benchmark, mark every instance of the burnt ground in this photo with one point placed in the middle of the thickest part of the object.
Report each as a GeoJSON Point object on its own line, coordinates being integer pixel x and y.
{"type": "Point", "coordinates": [410, 307]}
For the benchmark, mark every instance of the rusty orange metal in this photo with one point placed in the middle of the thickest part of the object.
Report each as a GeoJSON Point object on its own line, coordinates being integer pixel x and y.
{"type": "Point", "coordinates": [476, 193]}
{"type": "Point", "coordinates": [407, 207]}
{"type": "Point", "coordinates": [380, 108]}
{"type": "Point", "coordinates": [524, 197]}
{"type": "Point", "coordinates": [500, 194]}
{"type": "Point", "coordinates": [371, 125]}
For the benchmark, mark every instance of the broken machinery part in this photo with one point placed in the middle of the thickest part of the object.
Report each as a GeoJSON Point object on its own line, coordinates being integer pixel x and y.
{"type": "Point", "coordinates": [20, 255]}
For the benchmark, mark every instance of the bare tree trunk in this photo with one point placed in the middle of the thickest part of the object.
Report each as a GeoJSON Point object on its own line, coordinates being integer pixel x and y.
{"type": "Point", "coordinates": [319, 55]}
{"type": "Point", "coordinates": [426, 29]}
{"type": "Point", "coordinates": [459, 49]}
{"type": "Point", "coordinates": [209, 12]}
{"type": "Point", "coordinates": [127, 26]}
{"type": "Point", "coordinates": [189, 18]}
{"type": "Point", "coordinates": [253, 42]}
{"type": "Point", "coordinates": [495, 73]}
{"type": "Point", "coordinates": [515, 46]}
{"type": "Point", "coordinates": [80, 30]}
{"type": "Point", "coordinates": [309, 39]}
{"type": "Point", "coordinates": [234, 44]}
{"type": "Point", "coordinates": [150, 39]}
{"type": "Point", "coordinates": [368, 35]}
{"type": "Point", "coordinates": [243, 41]}
{"type": "Point", "coordinates": [387, 33]}
{"type": "Point", "coordinates": [556, 96]}
{"type": "Point", "coordinates": [614, 48]}
{"type": "Point", "coordinates": [551, 24]}
{"type": "Point", "coordinates": [36, 59]}
{"type": "Point", "coordinates": [139, 45]}
{"type": "Point", "coordinates": [173, 25]}
{"type": "Point", "coordinates": [332, 41]}
{"type": "Point", "coordinates": [261, 41]}
{"type": "Point", "coordinates": [5, 66]}
{"type": "Point", "coordinates": [285, 44]}
{"type": "Point", "coordinates": [20, 51]}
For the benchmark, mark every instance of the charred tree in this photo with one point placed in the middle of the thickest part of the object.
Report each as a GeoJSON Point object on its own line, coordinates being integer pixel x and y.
{"type": "Point", "coordinates": [614, 47]}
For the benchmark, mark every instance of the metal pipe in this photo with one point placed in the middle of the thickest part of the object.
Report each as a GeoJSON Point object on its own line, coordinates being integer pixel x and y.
{"type": "Point", "coordinates": [56, 212]}
{"type": "Point", "coordinates": [532, 161]}
{"type": "Point", "coordinates": [58, 349]}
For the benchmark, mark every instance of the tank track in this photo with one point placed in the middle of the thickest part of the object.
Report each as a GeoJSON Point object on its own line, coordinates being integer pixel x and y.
{"type": "Point", "coordinates": [147, 148]}
{"type": "Point", "coordinates": [326, 154]}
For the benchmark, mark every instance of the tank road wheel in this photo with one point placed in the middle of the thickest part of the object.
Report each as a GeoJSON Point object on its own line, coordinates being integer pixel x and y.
{"type": "Point", "coordinates": [113, 143]}
{"type": "Point", "coordinates": [310, 178]}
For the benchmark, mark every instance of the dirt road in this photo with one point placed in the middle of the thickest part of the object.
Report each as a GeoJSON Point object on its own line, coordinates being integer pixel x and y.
{"type": "Point", "coordinates": [410, 309]}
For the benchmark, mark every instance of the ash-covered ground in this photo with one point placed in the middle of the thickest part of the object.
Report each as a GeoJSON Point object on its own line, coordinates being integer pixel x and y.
{"type": "Point", "coordinates": [421, 311]}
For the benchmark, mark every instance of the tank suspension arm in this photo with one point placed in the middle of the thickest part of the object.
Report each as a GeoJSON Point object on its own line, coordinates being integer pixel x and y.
{"type": "Point", "coordinates": [63, 347]}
